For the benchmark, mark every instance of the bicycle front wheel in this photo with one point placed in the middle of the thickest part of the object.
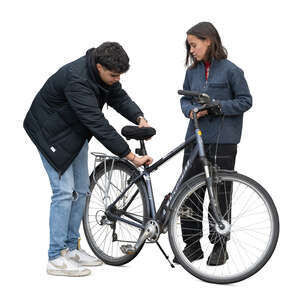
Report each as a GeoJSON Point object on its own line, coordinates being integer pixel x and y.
{"type": "Point", "coordinates": [253, 228]}
{"type": "Point", "coordinates": [105, 237]}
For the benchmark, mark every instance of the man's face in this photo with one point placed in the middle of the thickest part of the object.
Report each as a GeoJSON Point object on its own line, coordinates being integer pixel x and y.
{"type": "Point", "coordinates": [109, 77]}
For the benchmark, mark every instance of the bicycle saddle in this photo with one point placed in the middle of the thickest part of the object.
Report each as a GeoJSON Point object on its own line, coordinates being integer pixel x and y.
{"type": "Point", "coordinates": [134, 132]}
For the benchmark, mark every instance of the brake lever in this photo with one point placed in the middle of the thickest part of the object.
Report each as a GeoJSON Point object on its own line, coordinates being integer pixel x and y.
{"type": "Point", "coordinates": [214, 108]}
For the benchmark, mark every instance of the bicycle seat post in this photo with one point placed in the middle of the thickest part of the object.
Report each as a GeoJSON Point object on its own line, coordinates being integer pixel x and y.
{"type": "Point", "coordinates": [142, 150]}
{"type": "Point", "coordinates": [143, 147]}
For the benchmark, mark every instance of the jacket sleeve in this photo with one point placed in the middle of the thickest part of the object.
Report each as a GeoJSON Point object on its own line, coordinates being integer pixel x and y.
{"type": "Point", "coordinates": [242, 99]}
{"type": "Point", "coordinates": [122, 103]}
{"type": "Point", "coordinates": [84, 102]}
{"type": "Point", "coordinates": [186, 101]}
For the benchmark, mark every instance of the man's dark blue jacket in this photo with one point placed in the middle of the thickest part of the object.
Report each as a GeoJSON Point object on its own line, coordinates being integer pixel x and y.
{"type": "Point", "coordinates": [68, 110]}
{"type": "Point", "coordinates": [226, 83]}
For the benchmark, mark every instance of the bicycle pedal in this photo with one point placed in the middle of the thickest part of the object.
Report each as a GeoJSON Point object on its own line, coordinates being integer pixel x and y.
{"type": "Point", "coordinates": [128, 249]}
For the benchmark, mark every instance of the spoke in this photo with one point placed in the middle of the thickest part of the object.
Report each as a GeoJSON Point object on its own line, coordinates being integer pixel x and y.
{"type": "Point", "coordinates": [251, 230]}
{"type": "Point", "coordinates": [103, 230]}
{"type": "Point", "coordinates": [94, 225]}
{"type": "Point", "coordinates": [250, 215]}
{"type": "Point", "coordinates": [238, 250]}
{"type": "Point", "coordinates": [97, 203]}
{"type": "Point", "coordinates": [243, 248]}
{"type": "Point", "coordinates": [233, 197]}
{"type": "Point", "coordinates": [126, 229]}
{"type": "Point", "coordinates": [132, 209]}
{"type": "Point", "coordinates": [104, 240]}
{"type": "Point", "coordinates": [260, 222]}
{"type": "Point", "coordinates": [201, 201]}
{"type": "Point", "coordinates": [253, 247]}
{"type": "Point", "coordinates": [249, 234]}
{"type": "Point", "coordinates": [243, 209]}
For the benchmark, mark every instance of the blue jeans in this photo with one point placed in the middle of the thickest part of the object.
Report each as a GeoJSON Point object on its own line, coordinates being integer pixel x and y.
{"type": "Point", "coordinates": [67, 202]}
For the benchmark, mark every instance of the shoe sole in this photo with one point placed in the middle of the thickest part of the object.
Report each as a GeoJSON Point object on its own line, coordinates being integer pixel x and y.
{"type": "Point", "coordinates": [88, 264]}
{"type": "Point", "coordinates": [69, 273]}
{"type": "Point", "coordinates": [219, 264]}
{"type": "Point", "coordinates": [96, 264]}
{"type": "Point", "coordinates": [191, 260]}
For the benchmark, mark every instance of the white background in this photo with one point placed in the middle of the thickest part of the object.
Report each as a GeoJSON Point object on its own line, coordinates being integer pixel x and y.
{"type": "Point", "coordinates": [38, 37]}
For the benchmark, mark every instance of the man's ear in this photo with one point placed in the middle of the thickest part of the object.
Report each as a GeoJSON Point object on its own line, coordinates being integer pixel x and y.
{"type": "Point", "coordinates": [99, 67]}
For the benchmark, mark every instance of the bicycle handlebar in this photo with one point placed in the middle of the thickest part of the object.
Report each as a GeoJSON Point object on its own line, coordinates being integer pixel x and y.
{"type": "Point", "coordinates": [201, 97]}
{"type": "Point", "coordinates": [189, 93]}
{"type": "Point", "coordinates": [212, 106]}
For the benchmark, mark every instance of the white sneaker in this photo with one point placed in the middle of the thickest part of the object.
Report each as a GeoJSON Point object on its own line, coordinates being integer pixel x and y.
{"type": "Point", "coordinates": [83, 258]}
{"type": "Point", "coordinates": [64, 266]}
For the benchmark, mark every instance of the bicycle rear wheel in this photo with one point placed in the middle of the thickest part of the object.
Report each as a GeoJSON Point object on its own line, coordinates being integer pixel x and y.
{"type": "Point", "coordinates": [106, 237]}
{"type": "Point", "coordinates": [253, 228]}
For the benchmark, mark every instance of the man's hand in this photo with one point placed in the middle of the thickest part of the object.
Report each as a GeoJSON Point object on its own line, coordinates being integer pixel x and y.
{"type": "Point", "coordinates": [143, 122]}
{"type": "Point", "coordinates": [139, 161]}
{"type": "Point", "coordinates": [199, 114]}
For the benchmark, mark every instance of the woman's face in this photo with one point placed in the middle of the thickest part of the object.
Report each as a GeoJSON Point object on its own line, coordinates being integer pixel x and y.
{"type": "Point", "coordinates": [198, 47]}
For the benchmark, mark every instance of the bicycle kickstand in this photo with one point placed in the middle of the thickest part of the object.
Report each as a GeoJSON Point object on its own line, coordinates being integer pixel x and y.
{"type": "Point", "coordinates": [164, 253]}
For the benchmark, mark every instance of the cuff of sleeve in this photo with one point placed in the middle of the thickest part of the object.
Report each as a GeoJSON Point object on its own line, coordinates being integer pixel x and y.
{"type": "Point", "coordinates": [125, 153]}
{"type": "Point", "coordinates": [188, 110]}
{"type": "Point", "coordinates": [221, 103]}
{"type": "Point", "coordinates": [136, 116]}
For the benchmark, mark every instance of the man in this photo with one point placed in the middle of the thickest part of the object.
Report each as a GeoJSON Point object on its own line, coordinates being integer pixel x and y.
{"type": "Point", "coordinates": [63, 117]}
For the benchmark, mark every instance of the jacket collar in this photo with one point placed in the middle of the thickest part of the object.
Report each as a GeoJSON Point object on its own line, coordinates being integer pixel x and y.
{"type": "Point", "coordinates": [213, 61]}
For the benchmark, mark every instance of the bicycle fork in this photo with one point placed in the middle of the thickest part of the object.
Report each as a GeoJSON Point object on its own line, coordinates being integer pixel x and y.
{"type": "Point", "coordinates": [210, 184]}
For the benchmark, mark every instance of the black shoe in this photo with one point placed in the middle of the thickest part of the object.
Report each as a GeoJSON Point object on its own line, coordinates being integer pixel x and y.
{"type": "Point", "coordinates": [218, 255]}
{"type": "Point", "coordinates": [192, 252]}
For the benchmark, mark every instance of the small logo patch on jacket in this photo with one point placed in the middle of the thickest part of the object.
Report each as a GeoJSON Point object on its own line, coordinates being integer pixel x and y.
{"type": "Point", "coordinates": [52, 149]}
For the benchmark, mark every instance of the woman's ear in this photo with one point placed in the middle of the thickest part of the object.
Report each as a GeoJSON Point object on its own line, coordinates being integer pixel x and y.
{"type": "Point", "coordinates": [208, 42]}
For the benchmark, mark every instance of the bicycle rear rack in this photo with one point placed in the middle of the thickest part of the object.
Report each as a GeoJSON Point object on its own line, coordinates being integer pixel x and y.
{"type": "Point", "coordinates": [102, 158]}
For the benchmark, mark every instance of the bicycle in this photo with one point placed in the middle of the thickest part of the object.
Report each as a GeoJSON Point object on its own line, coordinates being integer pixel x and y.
{"type": "Point", "coordinates": [120, 214]}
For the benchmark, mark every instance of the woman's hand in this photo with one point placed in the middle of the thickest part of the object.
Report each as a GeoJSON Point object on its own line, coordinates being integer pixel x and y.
{"type": "Point", "coordinates": [199, 114]}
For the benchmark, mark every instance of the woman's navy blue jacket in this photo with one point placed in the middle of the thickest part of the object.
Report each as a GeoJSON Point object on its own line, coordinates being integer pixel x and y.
{"type": "Point", "coordinates": [226, 83]}
{"type": "Point", "coordinates": [68, 110]}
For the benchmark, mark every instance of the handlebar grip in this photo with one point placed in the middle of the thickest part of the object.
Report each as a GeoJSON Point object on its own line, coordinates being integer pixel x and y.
{"type": "Point", "coordinates": [189, 93]}
{"type": "Point", "coordinates": [201, 98]}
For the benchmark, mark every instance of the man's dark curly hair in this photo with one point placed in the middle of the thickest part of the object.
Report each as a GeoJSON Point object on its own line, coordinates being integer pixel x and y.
{"type": "Point", "coordinates": [113, 57]}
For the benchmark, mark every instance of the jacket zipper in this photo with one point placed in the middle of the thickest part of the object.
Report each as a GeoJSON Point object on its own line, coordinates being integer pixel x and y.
{"type": "Point", "coordinates": [205, 85]}
{"type": "Point", "coordinates": [208, 73]}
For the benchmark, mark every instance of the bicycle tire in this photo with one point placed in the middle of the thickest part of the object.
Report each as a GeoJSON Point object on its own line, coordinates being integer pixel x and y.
{"type": "Point", "coordinates": [92, 216]}
{"type": "Point", "coordinates": [209, 273]}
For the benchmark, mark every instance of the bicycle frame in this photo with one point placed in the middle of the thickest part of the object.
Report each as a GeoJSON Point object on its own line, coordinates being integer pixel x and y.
{"type": "Point", "coordinates": [145, 174]}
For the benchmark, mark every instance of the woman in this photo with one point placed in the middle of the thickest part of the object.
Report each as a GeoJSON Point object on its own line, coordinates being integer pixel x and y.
{"type": "Point", "coordinates": [210, 72]}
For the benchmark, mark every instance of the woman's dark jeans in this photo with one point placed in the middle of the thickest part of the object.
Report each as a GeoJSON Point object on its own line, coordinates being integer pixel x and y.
{"type": "Point", "coordinates": [192, 229]}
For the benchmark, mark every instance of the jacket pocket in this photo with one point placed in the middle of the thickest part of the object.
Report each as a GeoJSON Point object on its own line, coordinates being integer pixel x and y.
{"type": "Point", "coordinates": [219, 85]}
{"type": "Point", "coordinates": [54, 126]}
{"type": "Point", "coordinates": [60, 136]}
